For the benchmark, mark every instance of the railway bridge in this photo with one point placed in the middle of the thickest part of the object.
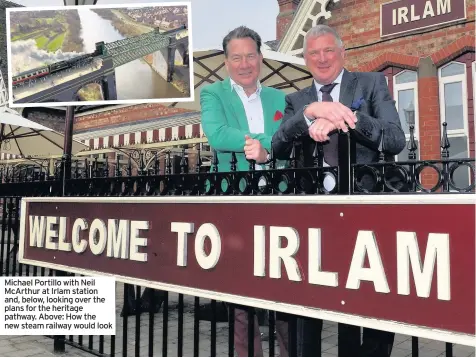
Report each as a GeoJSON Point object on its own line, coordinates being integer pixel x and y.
{"type": "Point", "coordinates": [63, 83]}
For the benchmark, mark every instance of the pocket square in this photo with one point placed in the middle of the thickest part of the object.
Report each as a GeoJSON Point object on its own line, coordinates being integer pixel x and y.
{"type": "Point", "coordinates": [356, 104]}
{"type": "Point", "coordinates": [277, 116]}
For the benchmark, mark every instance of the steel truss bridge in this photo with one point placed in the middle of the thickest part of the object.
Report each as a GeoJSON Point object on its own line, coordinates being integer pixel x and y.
{"type": "Point", "coordinates": [130, 49]}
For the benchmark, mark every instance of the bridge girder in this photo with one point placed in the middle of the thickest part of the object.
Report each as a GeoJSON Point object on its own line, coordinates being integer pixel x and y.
{"type": "Point", "coordinates": [129, 49]}
{"type": "Point", "coordinates": [130, 40]}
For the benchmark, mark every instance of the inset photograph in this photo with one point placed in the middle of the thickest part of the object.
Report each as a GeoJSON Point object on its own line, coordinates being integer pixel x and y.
{"type": "Point", "coordinates": [100, 54]}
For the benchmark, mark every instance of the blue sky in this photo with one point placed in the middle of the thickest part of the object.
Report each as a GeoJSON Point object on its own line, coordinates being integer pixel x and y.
{"type": "Point", "coordinates": [211, 19]}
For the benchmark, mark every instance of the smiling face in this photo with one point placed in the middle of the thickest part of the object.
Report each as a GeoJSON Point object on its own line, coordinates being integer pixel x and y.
{"type": "Point", "coordinates": [243, 62]}
{"type": "Point", "coordinates": [324, 58]}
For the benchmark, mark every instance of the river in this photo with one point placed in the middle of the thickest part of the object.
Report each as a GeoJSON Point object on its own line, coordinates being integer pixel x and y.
{"type": "Point", "coordinates": [135, 80]}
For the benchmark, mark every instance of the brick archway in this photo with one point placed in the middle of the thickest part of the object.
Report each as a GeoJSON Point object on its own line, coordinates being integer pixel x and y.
{"type": "Point", "coordinates": [453, 50]}
{"type": "Point", "coordinates": [390, 59]}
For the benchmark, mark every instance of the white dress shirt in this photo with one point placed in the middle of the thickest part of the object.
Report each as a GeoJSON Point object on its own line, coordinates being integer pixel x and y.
{"type": "Point", "coordinates": [329, 181]}
{"type": "Point", "coordinates": [253, 109]}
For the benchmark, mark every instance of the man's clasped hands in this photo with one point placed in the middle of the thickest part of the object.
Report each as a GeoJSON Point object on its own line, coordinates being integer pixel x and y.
{"type": "Point", "coordinates": [326, 117]}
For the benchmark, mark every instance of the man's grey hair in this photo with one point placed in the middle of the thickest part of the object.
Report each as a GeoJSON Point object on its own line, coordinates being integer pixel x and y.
{"type": "Point", "coordinates": [241, 32]}
{"type": "Point", "coordinates": [320, 30]}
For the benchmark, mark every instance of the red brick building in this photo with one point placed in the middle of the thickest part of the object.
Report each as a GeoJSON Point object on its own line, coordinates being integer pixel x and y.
{"type": "Point", "coordinates": [143, 127]}
{"type": "Point", "coordinates": [428, 66]}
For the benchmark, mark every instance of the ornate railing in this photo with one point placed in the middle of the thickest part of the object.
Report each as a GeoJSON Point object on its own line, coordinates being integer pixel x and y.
{"type": "Point", "coordinates": [153, 172]}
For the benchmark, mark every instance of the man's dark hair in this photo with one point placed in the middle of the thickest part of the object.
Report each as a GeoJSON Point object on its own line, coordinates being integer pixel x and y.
{"type": "Point", "coordinates": [241, 32]}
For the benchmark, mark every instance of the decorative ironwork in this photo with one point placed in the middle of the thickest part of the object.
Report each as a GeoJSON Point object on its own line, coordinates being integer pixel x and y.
{"type": "Point", "coordinates": [141, 174]}
{"type": "Point", "coordinates": [314, 12]}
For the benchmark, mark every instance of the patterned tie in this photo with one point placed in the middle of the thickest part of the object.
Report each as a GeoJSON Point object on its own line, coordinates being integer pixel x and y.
{"type": "Point", "coordinates": [330, 149]}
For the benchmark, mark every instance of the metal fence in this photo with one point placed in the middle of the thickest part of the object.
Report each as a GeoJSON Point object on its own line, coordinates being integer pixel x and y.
{"type": "Point", "coordinates": [163, 323]}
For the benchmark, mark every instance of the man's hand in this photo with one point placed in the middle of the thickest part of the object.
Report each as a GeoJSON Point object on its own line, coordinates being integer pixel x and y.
{"type": "Point", "coordinates": [320, 129]}
{"type": "Point", "coordinates": [254, 150]}
{"type": "Point", "coordinates": [334, 112]}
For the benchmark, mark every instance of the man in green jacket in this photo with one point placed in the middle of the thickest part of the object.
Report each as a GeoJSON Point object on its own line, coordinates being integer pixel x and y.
{"type": "Point", "coordinates": [238, 114]}
{"type": "Point", "coordinates": [241, 116]}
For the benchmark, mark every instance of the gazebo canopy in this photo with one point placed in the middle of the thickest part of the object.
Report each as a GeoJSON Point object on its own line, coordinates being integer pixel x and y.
{"type": "Point", "coordinates": [281, 71]}
{"type": "Point", "coordinates": [20, 136]}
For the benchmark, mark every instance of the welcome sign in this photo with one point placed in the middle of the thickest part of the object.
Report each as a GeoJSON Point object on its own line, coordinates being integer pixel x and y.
{"type": "Point", "coordinates": [387, 262]}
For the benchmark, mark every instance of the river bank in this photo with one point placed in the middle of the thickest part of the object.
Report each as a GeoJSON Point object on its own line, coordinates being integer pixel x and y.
{"type": "Point", "coordinates": [130, 27]}
{"type": "Point", "coordinates": [122, 23]}
{"type": "Point", "coordinates": [72, 40]}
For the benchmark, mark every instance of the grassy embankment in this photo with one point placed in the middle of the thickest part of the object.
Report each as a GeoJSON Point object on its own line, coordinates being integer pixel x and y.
{"type": "Point", "coordinates": [51, 30]}
{"type": "Point", "coordinates": [48, 33]}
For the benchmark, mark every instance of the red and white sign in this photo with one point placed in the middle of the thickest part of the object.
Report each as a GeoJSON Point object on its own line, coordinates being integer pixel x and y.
{"type": "Point", "coordinates": [401, 263]}
{"type": "Point", "coordinates": [401, 16]}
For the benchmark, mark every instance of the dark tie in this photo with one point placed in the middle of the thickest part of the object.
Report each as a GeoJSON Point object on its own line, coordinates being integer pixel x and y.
{"type": "Point", "coordinates": [330, 149]}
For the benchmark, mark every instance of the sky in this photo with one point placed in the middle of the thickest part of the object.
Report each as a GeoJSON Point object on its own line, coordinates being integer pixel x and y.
{"type": "Point", "coordinates": [211, 19]}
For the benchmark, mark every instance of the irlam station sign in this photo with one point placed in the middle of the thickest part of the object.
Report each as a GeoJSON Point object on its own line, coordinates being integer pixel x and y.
{"type": "Point", "coordinates": [398, 263]}
{"type": "Point", "coordinates": [409, 15]}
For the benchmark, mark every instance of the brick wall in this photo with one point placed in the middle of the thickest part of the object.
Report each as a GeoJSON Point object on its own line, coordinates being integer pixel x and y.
{"type": "Point", "coordinates": [358, 23]}
{"type": "Point", "coordinates": [423, 51]}
{"type": "Point", "coordinates": [287, 10]}
{"type": "Point", "coordinates": [430, 132]}
{"type": "Point", "coordinates": [125, 114]}
{"type": "Point", "coordinates": [429, 118]}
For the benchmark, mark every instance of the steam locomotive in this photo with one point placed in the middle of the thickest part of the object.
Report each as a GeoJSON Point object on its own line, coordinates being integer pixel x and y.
{"type": "Point", "coordinates": [57, 66]}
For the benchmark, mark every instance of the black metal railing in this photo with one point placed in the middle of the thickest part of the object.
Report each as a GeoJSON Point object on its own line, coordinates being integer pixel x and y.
{"type": "Point", "coordinates": [150, 173]}
{"type": "Point", "coordinates": [144, 175]}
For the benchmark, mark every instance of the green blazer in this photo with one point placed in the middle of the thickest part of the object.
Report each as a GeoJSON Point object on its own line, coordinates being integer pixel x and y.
{"type": "Point", "coordinates": [225, 124]}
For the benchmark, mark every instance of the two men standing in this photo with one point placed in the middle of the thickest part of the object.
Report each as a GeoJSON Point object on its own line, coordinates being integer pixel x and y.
{"type": "Point", "coordinates": [239, 115]}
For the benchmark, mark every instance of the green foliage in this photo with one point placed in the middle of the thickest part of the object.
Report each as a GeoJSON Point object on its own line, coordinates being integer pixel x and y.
{"type": "Point", "coordinates": [56, 43]}
{"type": "Point", "coordinates": [26, 36]}
{"type": "Point", "coordinates": [47, 28]}
{"type": "Point", "coordinates": [41, 41]}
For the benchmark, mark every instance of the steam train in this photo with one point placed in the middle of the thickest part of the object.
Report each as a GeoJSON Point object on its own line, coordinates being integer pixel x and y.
{"type": "Point", "coordinates": [57, 66]}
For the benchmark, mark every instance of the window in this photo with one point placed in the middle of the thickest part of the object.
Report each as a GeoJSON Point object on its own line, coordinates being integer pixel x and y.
{"type": "Point", "coordinates": [454, 111]}
{"type": "Point", "coordinates": [405, 94]}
